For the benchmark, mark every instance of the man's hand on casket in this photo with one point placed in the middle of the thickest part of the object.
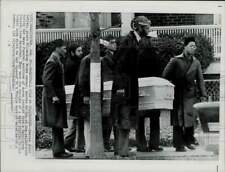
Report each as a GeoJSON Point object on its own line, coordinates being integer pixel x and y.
{"type": "Point", "coordinates": [203, 99]}
{"type": "Point", "coordinates": [86, 100]}
{"type": "Point", "coordinates": [55, 100]}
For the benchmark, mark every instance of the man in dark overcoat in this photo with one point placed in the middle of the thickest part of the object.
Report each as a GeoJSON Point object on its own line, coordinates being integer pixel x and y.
{"type": "Point", "coordinates": [185, 72]}
{"type": "Point", "coordinates": [54, 99]}
{"type": "Point", "coordinates": [80, 105]}
{"type": "Point", "coordinates": [148, 66]}
{"type": "Point", "coordinates": [74, 138]}
{"type": "Point", "coordinates": [125, 83]}
{"type": "Point", "coordinates": [108, 66]}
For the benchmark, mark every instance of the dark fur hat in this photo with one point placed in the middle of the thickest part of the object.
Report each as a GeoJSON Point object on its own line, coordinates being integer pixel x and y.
{"type": "Point", "coordinates": [188, 39]}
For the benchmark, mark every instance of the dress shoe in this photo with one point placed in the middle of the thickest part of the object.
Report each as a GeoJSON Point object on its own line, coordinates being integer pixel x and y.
{"type": "Point", "coordinates": [155, 148]}
{"type": "Point", "coordinates": [71, 149]}
{"type": "Point", "coordinates": [127, 156]}
{"type": "Point", "coordinates": [79, 150]}
{"type": "Point", "coordinates": [180, 149]}
{"type": "Point", "coordinates": [195, 142]}
{"type": "Point", "coordinates": [142, 149]}
{"type": "Point", "coordinates": [74, 150]}
{"type": "Point", "coordinates": [62, 155]}
{"type": "Point", "coordinates": [190, 146]}
{"type": "Point", "coordinates": [108, 150]}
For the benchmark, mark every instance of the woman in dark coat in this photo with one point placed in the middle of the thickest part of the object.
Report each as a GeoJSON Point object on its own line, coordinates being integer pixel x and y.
{"type": "Point", "coordinates": [54, 99]}
{"type": "Point", "coordinates": [185, 72]}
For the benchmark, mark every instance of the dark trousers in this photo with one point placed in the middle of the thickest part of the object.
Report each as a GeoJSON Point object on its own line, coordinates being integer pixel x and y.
{"type": "Point", "coordinates": [58, 141]}
{"type": "Point", "coordinates": [74, 138]}
{"type": "Point", "coordinates": [122, 129]}
{"type": "Point", "coordinates": [189, 135]}
{"type": "Point", "coordinates": [123, 142]}
{"type": "Point", "coordinates": [182, 136]}
{"type": "Point", "coordinates": [154, 131]}
{"type": "Point", "coordinates": [107, 128]}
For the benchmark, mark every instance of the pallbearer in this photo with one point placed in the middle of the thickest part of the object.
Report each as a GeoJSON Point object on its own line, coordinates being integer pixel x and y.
{"type": "Point", "coordinates": [54, 99]}
{"type": "Point", "coordinates": [185, 73]}
{"type": "Point", "coordinates": [125, 83]}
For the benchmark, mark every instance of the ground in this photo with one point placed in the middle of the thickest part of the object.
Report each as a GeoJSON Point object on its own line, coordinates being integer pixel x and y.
{"type": "Point", "coordinates": [168, 154]}
{"type": "Point", "coordinates": [207, 150]}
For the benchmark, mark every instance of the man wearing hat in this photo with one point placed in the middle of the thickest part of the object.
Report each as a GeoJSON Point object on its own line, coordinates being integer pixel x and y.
{"type": "Point", "coordinates": [185, 72]}
{"type": "Point", "coordinates": [125, 83]}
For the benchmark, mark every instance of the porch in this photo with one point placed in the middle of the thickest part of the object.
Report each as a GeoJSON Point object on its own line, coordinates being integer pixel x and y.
{"type": "Point", "coordinates": [212, 32]}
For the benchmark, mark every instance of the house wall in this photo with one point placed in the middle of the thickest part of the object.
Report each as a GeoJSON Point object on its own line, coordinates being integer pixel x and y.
{"type": "Point", "coordinates": [69, 20]}
{"type": "Point", "coordinates": [178, 19]}
{"type": "Point", "coordinates": [50, 20]}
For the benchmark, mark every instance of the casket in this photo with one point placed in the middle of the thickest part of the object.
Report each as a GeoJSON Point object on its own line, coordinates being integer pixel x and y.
{"type": "Point", "coordinates": [69, 94]}
{"type": "Point", "coordinates": [106, 98]}
{"type": "Point", "coordinates": [107, 94]}
{"type": "Point", "coordinates": [155, 93]}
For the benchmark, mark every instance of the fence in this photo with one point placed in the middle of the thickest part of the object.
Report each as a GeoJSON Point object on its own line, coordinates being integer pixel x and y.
{"type": "Point", "coordinates": [47, 35]}
{"type": "Point", "coordinates": [213, 32]}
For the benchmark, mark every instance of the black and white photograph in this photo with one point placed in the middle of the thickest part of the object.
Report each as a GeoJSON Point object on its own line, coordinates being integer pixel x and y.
{"type": "Point", "coordinates": [127, 85]}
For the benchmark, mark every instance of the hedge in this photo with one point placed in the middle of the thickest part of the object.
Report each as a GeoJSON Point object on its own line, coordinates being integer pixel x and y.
{"type": "Point", "coordinates": [166, 46]}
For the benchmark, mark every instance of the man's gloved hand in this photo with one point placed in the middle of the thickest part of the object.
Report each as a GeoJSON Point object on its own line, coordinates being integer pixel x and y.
{"type": "Point", "coordinates": [203, 99]}
{"type": "Point", "coordinates": [55, 100]}
{"type": "Point", "coordinates": [86, 100]}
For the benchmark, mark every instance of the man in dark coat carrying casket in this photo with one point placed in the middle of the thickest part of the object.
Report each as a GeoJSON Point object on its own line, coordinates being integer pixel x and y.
{"type": "Point", "coordinates": [80, 105]}
{"type": "Point", "coordinates": [148, 66]}
{"type": "Point", "coordinates": [54, 99]}
{"type": "Point", "coordinates": [125, 83]}
{"type": "Point", "coordinates": [185, 72]}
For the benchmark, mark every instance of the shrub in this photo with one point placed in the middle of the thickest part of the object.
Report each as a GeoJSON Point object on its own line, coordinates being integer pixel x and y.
{"type": "Point", "coordinates": [43, 136]}
{"type": "Point", "coordinates": [167, 46]}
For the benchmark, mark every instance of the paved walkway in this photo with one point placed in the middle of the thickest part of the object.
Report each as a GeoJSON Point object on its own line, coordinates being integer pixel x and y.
{"type": "Point", "coordinates": [167, 154]}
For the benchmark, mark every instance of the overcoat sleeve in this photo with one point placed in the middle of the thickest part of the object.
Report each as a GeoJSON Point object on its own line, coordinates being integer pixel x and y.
{"type": "Point", "coordinates": [121, 64]}
{"type": "Point", "coordinates": [169, 70]}
{"type": "Point", "coordinates": [200, 81]}
{"type": "Point", "coordinates": [120, 56]}
{"type": "Point", "coordinates": [84, 78]}
{"type": "Point", "coordinates": [48, 78]}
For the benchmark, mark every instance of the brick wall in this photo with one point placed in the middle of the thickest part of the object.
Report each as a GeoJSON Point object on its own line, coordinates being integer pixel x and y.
{"type": "Point", "coordinates": [50, 20]}
{"type": "Point", "coordinates": [178, 19]}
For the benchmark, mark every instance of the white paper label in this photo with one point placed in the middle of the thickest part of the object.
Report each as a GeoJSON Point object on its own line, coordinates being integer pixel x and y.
{"type": "Point", "coordinates": [95, 77]}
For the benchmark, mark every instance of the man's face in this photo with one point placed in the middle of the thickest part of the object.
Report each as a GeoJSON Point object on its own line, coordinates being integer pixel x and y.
{"type": "Point", "coordinates": [190, 48]}
{"type": "Point", "coordinates": [112, 44]}
{"type": "Point", "coordinates": [144, 30]}
{"type": "Point", "coordinates": [62, 50]}
{"type": "Point", "coordinates": [79, 52]}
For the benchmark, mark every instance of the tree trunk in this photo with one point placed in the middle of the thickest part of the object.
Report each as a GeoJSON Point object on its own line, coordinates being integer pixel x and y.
{"type": "Point", "coordinates": [96, 140]}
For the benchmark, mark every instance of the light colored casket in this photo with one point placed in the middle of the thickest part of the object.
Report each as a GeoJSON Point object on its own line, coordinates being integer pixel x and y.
{"type": "Point", "coordinates": [69, 94]}
{"type": "Point", "coordinates": [155, 93]}
{"type": "Point", "coordinates": [106, 98]}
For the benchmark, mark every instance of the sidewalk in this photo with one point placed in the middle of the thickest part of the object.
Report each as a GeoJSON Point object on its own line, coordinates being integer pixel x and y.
{"type": "Point", "coordinates": [168, 154]}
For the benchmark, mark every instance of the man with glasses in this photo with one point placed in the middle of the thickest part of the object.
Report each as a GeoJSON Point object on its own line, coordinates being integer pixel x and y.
{"type": "Point", "coordinates": [185, 72]}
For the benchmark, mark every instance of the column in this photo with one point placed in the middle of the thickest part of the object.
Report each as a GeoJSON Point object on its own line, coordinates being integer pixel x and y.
{"type": "Point", "coordinates": [125, 20]}
{"type": "Point", "coordinates": [68, 20]}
